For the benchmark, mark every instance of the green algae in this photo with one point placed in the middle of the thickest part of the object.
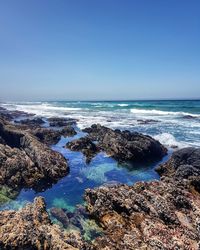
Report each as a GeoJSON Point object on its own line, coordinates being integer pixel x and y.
{"type": "Point", "coordinates": [62, 203]}
{"type": "Point", "coordinates": [6, 194]}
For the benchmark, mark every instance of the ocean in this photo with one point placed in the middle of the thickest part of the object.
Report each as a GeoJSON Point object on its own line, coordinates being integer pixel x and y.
{"type": "Point", "coordinates": [173, 123]}
{"type": "Point", "coordinates": [176, 124]}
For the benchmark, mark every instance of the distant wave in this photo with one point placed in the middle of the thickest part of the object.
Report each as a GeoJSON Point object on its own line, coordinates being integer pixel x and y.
{"type": "Point", "coordinates": [160, 112]}
{"type": "Point", "coordinates": [123, 105]}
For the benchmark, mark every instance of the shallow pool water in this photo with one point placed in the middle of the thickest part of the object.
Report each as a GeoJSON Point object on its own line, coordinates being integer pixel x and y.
{"type": "Point", "coordinates": [68, 192]}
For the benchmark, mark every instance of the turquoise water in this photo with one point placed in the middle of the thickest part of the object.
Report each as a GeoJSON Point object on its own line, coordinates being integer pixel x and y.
{"type": "Point", "coordinates": [173, 123]}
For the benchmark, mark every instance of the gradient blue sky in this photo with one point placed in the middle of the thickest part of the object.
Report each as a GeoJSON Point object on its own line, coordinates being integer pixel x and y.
{"type": "Point", "coordinates": [99, 49]}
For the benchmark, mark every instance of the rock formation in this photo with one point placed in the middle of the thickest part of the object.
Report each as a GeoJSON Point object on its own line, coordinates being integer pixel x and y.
{"type": "Point", "coordinates": [124, 145]}
{"type": "Point", "coordinates": [85, 145]}
{"type": "Point", "coordinates": [152, 215]}
{"type": "Point", "coordinates": [26, 162]}
{"type": "Point", "coordinates": [31, 228]}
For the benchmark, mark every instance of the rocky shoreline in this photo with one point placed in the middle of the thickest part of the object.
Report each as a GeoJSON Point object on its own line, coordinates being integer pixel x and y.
{"type": "Point", "coordinates": [162, 214]}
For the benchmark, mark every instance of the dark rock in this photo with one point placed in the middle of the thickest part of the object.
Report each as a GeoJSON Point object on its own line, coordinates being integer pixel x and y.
{"type": "Point", "coordinates": [31, 122]}
{"type": "Point", "coordinates": [85, 145]}
{"type": "Point", "coordinates": [47, 136]}
{"type": "Point", "coordinates": [126, 146]}
{"type": "Point", "coordinates": [60, 215]}
{"type": "Point", "coordinates": [188, 117]}
{"type": "Point", "coordinates": [61, 122]}
{"type": "Point", "coordinates": [26, 162]}
{"type": "Point", "coordinates": [184, 162]}
{"type": "Point", "coordinates": [12, 114]}
{"type": "Point", "coordinates": [148, 121]}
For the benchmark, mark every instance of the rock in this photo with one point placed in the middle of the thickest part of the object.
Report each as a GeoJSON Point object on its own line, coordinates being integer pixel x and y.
{"type": "Point", "coordinates": [31, 228]}
{"type": "Point", "coordinates": [60, 215]}
{"type": "Point", "coordinates": [61, 122]}
{"type": "Point", "coordinates": [145, 122]}
{"type": "Point", "coordinates": [47, 136]}
{"type": "Point", "coordinates": [85, 145]}
{"type": "Point", "coordinates": [26, 162]}
{"type": "Point", "coordinates": [12, 114]}
{"type": "Point", "coordinates": [188, 117]}
{"type": "Point", "coordinates": [181, 160]}
{"type": "Point", "coordinates": [50, 136]}
{"type": "Point", "coordinates": [31, 122]}
{"type": "Point", "coordinates": [126, 146]}
{"type": "Point", "coordinates": [151, 215]}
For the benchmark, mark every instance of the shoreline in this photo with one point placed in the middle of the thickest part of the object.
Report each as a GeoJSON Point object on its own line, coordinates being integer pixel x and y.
{"type": "Point", "coordinates": [138, 210]}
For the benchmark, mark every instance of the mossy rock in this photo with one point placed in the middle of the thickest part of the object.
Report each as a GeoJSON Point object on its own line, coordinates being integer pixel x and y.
{"type": "Point", "coordinates": [6, 194]}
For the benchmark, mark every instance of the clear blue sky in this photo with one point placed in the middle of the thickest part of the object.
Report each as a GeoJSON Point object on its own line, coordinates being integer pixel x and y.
{"type": "Point", "coordinates": [99, 49]}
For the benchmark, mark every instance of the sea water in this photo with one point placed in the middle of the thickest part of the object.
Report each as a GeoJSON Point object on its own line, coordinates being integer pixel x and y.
{"type": "Point", "coordinates": [173, 123]}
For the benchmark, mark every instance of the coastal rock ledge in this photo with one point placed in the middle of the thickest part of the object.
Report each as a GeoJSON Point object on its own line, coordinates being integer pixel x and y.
{"type": "Point", "coordinates": [31, 228]}
{"type": "Point", "coordinates": [152, 215]}
{"type": "Point", "coordinates": [27, 162]}
{"type": "Point", "coordinates": [124, 146]}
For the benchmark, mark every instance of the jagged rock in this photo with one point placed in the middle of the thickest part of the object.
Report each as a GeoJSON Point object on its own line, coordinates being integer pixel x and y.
{"type": "Point", "coordinates": [61, 122]}
{"type": "Point", "coordinates": [151, 215]}
{"type": "Point", "coordinates": [85, 145]}
{"type": "Point", "coordinates": [60, 215]}
{"type": "Point", "coordinates": [12, 114]}
{"type": "Point", "coordinates": [26, 162]}
{"type": "Point", "coordinates": [31, 122]}
{"type": "Point", "coordinates": [126, 146]}
{"type": "Point", "coordinates": [31, 228]}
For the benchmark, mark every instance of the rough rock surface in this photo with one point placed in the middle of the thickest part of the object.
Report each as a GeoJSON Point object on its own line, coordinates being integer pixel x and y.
{"type": "Point", "coordinates": [85, 145]}
{"type": "Point", "coordinates": [26, 162]}
{"type": "Point", "coordinates": [31, 122]}
{"type": "Point", "coordinates": [50, 136]}
{"type": "Point", "coordinates": [126, 146]}
{"type": "Point", "coordinates": [152, 215]}
{"type": "Point", "coordinates": [12, 114]}
{"type": "Point", "coordinates": [61, 122]}
{"type": "Point", "coordinates": [31, 228]}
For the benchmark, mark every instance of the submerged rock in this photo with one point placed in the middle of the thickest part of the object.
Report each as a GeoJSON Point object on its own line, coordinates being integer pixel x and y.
{"type": "Point", "coordinates": [151, 215]}
{"type": "Point", "coordinates": [60, 215]}
{"type": "Point", "coordinates": [85, 145]}
{"type": "Point", "coordinates": [126, 146]}
{"type": "Point", "coordinates": [26, 162]}
{"type": "Point", "coordinates": [31, 228]}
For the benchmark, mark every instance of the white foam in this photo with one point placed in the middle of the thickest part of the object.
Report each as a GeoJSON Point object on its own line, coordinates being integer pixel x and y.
{"type": "Point", "coordinates": [123, 105]}
{"type": "Point", "coordinates": [160, 112]}
{"type": "Point", "coordinates": [169, 140]}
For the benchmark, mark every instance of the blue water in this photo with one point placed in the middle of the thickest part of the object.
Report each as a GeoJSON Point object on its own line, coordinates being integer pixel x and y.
{"type": "Point", "coordinates": [173, 123]}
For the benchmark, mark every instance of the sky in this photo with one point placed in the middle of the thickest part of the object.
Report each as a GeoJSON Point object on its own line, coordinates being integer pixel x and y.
{"type": "Point", "coordinates": [99, 49]}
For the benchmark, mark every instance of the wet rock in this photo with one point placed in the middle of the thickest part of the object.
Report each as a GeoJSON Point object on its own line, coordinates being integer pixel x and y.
{"type": "Point", "coordinates": [12, 114]}
{"type": "Point", "coordinates": [31, 228]}
{"type": "Point", "coordinates": [31, 122]}
{"type": "Point", "coordinates": [184, 162]}
{"type": "Point", "coordinates": [26, 162]}
{"type": "Point", "coordinates": [85, 145]}
{"type": "Point", "coordinates": [126, 146]}
{"type": "Point", "coordinates": [50, 136]}
{"type": "Point", "coordinates": [60, 215]}
{"type": "Point", "coordinates": [47, 136]}
{"type": "Point", "coordinates": [151, 215]}
{"type": "Point", "coordinates": [188, 117]}
{"type": "Point", "coordinates": [61, 122]}
{"type": "Point", "coordinates": [148, 121]}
